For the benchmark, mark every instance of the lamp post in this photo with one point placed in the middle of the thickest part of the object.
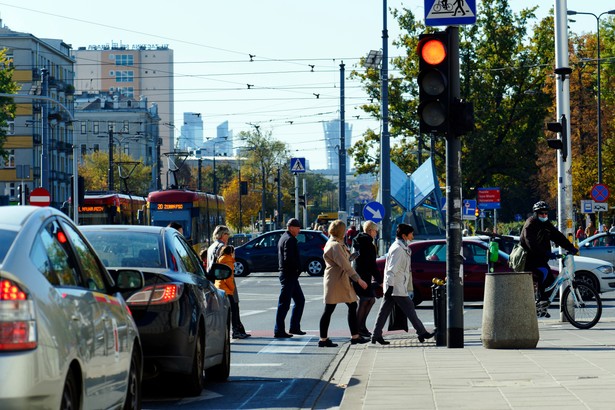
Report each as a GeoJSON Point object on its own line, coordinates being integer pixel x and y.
{"type": "Point", "coordinates": [214, 165]}
{"type": "Point", "coordinates": [599, 114]}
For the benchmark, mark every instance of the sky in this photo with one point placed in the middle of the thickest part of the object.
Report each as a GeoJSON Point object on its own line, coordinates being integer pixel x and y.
{"type": "Point", "coordinates": [271, 63]}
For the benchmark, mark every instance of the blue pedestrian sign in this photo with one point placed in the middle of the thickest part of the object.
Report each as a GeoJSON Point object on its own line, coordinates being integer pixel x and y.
{"type": "Point", "coordinates": [450, 12]}
{"type": "Point", "coordinates": [297, 165]}
{"type": "Point", "coordinates": [373, 211]}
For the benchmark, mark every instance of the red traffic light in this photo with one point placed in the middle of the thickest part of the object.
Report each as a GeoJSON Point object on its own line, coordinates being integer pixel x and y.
{"type": "Point", "coordinates": [432, 51]}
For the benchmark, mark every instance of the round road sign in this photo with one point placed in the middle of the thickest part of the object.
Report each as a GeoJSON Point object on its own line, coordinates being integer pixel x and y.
{"type": "Point", "coordinates": [600, 193]}
{"type": "Point", "coordinates": [40, 197]}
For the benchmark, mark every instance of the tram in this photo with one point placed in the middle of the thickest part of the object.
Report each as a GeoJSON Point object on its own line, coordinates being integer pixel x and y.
{"type": "Point", "coordinates": [112, 209]}
{"type": "Point", "coordinates": [197, 212]}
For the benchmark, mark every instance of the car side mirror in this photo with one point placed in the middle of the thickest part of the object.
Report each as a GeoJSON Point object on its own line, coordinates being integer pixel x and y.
{"type": "Point", "coordinates": [219, 271]}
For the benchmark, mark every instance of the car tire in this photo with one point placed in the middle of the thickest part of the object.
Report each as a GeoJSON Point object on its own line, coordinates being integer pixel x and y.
{"type": "Point", "coordinates": [70, 393]}
{"type": "Point", "coordinates": [241, 268]}
{"type": "Point", "coordinates": [134, 392]}
{"type": "Point", "coordinates": [588, 279]}
{"type": "Point", "coordinates": [196, 380]}
{"type": "Point", "coordinates": [315, 267]}
{"type": "Point", "coordinates": [220, 372]}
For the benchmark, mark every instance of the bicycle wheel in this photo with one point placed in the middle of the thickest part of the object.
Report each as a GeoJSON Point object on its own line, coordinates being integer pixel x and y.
{"type": "Point", "coordinates": [585, 313]}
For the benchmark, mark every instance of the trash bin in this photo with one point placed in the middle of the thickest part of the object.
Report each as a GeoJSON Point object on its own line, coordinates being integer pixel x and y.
{"type": "Point", "coordinates": [509, 311]}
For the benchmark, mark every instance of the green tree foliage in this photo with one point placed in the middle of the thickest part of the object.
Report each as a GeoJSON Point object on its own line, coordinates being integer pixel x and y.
{"type": "Point", "coordinates": [95, 169]}
{"type": "Point", "coordinates": [7, 107]}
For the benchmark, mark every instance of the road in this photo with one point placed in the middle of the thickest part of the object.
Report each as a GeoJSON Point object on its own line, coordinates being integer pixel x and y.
{"type": "Point", "coordinates": [268, 373]}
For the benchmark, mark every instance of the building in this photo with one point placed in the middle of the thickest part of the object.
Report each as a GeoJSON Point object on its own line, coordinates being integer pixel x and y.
{"type": "Point", "coordinates": [40, 139]}
{"type": "Point", "coordinates": [191, 137]}
{"type": "Point", "coordinates": [332, 143]}
{"type": "Point", "coordinates": [140, 70]}
{"type": "Point", "coordinates": [105, 122]}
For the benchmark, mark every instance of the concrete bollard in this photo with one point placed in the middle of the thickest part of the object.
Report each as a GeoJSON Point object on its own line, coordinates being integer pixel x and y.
{"type": "Point", "coordinates": [509, 311]}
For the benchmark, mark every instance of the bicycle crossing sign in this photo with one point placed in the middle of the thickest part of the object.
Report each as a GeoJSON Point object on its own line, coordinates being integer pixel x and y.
{"type": "Point", "coordinates": [450, 12]}
{"type": "Point", "coordinates": [297, 165]}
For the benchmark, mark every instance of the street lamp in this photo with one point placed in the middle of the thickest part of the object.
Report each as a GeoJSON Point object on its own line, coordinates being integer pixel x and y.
{"type": "Point", "coordinates": [599, 115]}
{"type": "Point", "coordinates": [214, 167]}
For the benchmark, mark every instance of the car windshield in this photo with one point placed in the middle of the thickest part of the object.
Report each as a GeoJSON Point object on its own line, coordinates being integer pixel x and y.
{"type": "Point", "coordinates": [6, 240]}
{"type": "Point", "coordinates": [127, 248]}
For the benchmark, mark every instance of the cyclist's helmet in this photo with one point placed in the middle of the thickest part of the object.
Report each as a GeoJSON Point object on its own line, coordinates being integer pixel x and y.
{"type": "Point", "coordinates": [540, 206]}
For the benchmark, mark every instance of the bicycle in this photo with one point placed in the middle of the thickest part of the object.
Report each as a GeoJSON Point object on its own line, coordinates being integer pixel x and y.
{"type": "Point", "coordinates": [581, 303]}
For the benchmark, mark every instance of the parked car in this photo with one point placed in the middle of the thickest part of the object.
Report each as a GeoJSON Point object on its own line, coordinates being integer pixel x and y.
{"type": "Point", "coordinates": [183, 319]}
{"type": "Point", "coordinates": [67, 338]}
{"type": "Point", "coordinates": [595, 272]}
{"type": "Point", "coordinates": [429, 261]}
{"type": "Point", "coordinates": [599, 246]}
{"type": "Point", "coordinates": [261, 253]}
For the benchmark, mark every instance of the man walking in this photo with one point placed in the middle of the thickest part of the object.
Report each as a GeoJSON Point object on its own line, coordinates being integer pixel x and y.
{"type": "Point", "coordinates": [290, 269]}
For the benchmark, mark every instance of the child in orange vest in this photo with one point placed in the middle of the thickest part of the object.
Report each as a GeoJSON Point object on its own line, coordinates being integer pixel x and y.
{"type": "Point", "coordinates": [227, 257]}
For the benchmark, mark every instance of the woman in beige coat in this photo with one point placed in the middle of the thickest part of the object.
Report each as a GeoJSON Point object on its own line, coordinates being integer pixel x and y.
{"type": "Point", "coordinates": [337, 286]}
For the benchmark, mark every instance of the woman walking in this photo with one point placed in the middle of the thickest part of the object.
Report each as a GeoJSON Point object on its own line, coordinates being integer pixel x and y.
{"type": "Point", "coordinates": [337, 287]}
{"type": "Point", "coordinates": [365, 266]}
{"type": "Point", "coordinates": [398, 288]}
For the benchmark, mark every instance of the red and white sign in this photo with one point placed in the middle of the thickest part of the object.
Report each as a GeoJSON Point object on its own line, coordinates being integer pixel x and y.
{"type": "Point", "coordinates": [487, 195]}
{"type": "Point", "coordinates": [40, 197]}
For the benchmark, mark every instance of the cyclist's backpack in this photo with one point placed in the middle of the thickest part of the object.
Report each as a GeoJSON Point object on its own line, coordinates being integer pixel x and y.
{"type": "Point", "coordinates": [517, 258]}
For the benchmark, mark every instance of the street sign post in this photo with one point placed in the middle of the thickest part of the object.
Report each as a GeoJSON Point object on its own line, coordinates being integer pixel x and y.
{"type": "Point", "coordinates": [450, 12]}
{"type": "Point", "coordinates": [373, 211]}
{"type": "Point", "coordinates": [40, 197]}
{"type": "Point", "coordinates": [488, 198]}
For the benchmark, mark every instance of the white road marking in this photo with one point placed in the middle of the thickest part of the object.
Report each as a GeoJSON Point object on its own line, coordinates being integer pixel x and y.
{"type": "Point", "coordinates": [292, 345]}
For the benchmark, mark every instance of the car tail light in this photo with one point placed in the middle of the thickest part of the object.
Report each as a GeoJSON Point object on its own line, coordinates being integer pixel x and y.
{"type": "Point", "coordinates": [157, 294]}
{"type": "Point", "coordinates": [17, 319]}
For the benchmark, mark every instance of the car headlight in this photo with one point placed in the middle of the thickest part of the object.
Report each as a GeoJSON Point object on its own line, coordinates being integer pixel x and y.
{"type": "Point", "coordinates": [605, 269]}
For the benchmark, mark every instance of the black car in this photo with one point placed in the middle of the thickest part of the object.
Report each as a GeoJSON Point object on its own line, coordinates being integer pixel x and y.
{"type": "Point", "coordinates": [183, 319]}
{"type": "Point", "coordinates": [261, 253]}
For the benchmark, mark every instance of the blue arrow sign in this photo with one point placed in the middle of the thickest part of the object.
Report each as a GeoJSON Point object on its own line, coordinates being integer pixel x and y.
{"type": "Point", "coordinates": [373, 211]}
{"type": "Point", "coordinates": [450, 12]}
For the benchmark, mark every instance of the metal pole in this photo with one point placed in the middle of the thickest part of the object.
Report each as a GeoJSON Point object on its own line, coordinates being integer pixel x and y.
{"type": "Point", "coordinates": [454, 284]}
{"type": "Point", "coordinates": [562, 84]}
{"type": "Point", "coordinates": [110, 181]}
{"type": "Point", "coordinates": [45, 132]}
{"type": "Point", "coordinates": [263, 199]}
{"type": "Point", "coordinates": [296, 195]}
{"type": "Point", "coordinates": [239, 177]}
{"type": "Point", "coordinates": [342, 151]}
{"type": "Point", "coordinates": [305, 195]}
{"type": "Point", "coordinates": [278, 220]}
{"type": "Point", "coordinates": [215, 182]}
{"type": "Point", "coordinates": [385, 166]}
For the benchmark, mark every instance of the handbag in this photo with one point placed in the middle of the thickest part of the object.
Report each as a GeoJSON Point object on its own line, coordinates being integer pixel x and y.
{"type": "Point", "coordinates": [397, 319]}
{"type": "Point", "coordinates": [517, 258]}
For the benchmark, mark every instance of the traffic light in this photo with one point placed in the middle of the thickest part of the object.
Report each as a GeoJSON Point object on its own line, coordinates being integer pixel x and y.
{"type": "Point", "coordinates": [19, 194]}
{"type": "Point", "coordinates": [560, 143]}
{"type": "Point", "coordinates": [301, 200]}
{"type": "Point", "coordinates": [243, 187]}
{"type": "Point", "coordinates": [80, 189]}
{"type": "Point", "coordinates": [477, 212]}
{"type": "Point", "coordinates": [434, 82]}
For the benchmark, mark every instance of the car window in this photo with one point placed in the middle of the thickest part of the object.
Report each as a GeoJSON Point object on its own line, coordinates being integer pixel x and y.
{"type": "Point", "coordinates": [435, 253]}
{"type": "Point", "coordinates": [267, 241]}
{"type": "Point", "coordinates": [474, 253]}
{"type": "Point", "coordinates": [50, 254]}
{"type": "Point", "coordinates": [91, 270]}
{"type": "Point", "coordinates": [302, 238]}
{"type": "Point", "coordinates": [6, 240]}
{"type": "Point", "coordinates": [187, 257]}
{"type": "Point", "coordinates": [126, 248]}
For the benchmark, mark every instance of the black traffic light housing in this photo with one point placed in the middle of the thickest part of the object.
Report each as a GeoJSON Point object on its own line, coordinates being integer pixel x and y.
{"type": "Point", "coordinates": [560, 143]}
{"type": "Point", "coordinates": [434, 82]}
{"type": "Point", "coordinates": [80, 189]}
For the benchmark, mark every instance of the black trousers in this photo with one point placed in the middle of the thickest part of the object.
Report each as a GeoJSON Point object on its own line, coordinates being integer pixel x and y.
{"type": "Point", "coordinates": [407, 306]}
{"type": "Point", "coordinates": [325, 319]}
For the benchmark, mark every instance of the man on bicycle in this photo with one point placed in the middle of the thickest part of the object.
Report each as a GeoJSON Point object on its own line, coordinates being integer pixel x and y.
{"type": "Point", "coordinates": [536, 237]}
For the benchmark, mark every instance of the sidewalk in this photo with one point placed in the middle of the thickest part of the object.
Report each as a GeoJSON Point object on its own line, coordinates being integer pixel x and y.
{"type": "Point", "coordinates": [570, 368]}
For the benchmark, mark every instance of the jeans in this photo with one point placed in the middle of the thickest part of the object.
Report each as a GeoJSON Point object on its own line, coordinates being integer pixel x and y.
{"type": "Point", "coordinates": [291, 289]}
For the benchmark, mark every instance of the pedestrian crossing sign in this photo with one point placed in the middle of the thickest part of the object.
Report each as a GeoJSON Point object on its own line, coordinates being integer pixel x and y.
{"type": "Point", "coordinates": [450, 12]}
{"type": "Point", "coordinates": [297, 165]}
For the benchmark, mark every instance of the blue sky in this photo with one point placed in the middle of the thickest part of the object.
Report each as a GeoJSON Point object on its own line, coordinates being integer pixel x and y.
{"type": "Point", "coordinates": [213, 40]}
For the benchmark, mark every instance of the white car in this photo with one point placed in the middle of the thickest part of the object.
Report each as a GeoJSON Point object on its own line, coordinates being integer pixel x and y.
{"type": "Point", "coordinates": [67, 338]}
{"type": "Point", "coordinates": [595, 272]}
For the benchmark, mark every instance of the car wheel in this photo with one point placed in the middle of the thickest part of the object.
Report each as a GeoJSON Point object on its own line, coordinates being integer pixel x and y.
{"type": "Point", "coordinates": [315, 267]}
{"type": "Point", "coordinates": [588, 279]}
{"type": "Point", "coordinates": [241, 268]}
{"type": "Point", "coordinates": [195, 382]}
{"type": "Point", "coordinates": [220, 372]}
{"type": "Point", "coordinates": [70, 394]}
{"type": "Point", "coordinates": [133, 394]}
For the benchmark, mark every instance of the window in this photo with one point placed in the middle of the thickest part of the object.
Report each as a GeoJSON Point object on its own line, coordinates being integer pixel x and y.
{"type": "Point", "coordinates": [122, 76]}
{"type": "Point", "coordinates": [51, 257]}
{"type": "Point", "coordinates": [10, 128]}
{"type": "Point", "coordinates": [84, 127]}
{"type": "Point", "coordinates": [84, 150]}
{"type": "Point", "coordinates": [90, 267]}
{"type": "Point", "coordinates": [95, 127]}
{"type": "Point", "coordinates": [9, 162]}
{"type": "Point", "coordinates": [124, 59]}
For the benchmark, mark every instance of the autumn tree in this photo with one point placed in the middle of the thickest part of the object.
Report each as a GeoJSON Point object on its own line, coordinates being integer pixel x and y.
{"type": "Point", "coordinates": [94, 168]}
{"type": "Point", "coordinates": [7, 106]}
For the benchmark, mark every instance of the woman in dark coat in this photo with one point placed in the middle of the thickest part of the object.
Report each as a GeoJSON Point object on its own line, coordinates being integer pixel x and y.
{"type": "Point", "coordinates": [365, 266]}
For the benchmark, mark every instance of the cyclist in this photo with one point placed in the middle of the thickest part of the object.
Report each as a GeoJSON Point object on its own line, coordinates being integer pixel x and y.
{"type": "Point", "coordinates": [536, 237]}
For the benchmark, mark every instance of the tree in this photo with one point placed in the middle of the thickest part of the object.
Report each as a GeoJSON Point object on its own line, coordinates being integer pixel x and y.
{"type": "Point", "coordinates": [7, 106]}
{"type": "Point", "coordinates": [95, 169]}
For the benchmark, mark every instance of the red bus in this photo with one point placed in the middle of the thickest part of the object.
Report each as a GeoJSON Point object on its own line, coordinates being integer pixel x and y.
{"type": "Point", "coordinates": [114, 209]}
{"type": "Point", "coordinates": [197, 212]}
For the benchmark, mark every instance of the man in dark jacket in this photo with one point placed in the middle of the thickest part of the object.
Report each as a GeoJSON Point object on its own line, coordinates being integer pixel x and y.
{"type": "Point", "coordinates": [536, 237]}
{"type": "Point", "coordinates": [290, 269]}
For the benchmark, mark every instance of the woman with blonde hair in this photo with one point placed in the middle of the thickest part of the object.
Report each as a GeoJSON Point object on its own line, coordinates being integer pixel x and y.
{"type": "Point", "coordinates": [337, 286]}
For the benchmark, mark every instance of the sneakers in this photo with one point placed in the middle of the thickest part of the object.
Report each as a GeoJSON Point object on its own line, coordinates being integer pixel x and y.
{"type": "Point", "coordinates": [542, 304]}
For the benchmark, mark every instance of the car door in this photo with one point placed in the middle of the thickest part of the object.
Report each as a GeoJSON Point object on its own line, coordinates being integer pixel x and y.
{"type": "Point", "coordinates": [602, 248]}
{"type": "Point", "coordinates": [474, 271]}
{"type": "Point", "coordinates": [264, 254]}
{"type": "Point", "coordinates": [428, 262]}
{"type": "Point", "coordinates": [112, 315]}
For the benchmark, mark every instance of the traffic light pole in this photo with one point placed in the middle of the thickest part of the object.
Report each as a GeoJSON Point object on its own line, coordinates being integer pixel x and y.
{"type": "Point", "coordinates": [454, 284]}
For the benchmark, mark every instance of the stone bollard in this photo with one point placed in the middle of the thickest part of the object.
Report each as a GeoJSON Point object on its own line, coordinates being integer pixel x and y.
{"type": "Point", "coordinates": [509, 311]}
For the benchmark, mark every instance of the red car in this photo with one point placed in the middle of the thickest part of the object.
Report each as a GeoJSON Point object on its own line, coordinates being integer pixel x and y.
{"type": "Point", "coordinates": [429, 261]}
